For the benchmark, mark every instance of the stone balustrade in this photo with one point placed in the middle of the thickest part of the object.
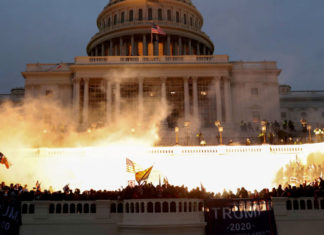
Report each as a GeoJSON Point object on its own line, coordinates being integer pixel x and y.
{"type": "Point", "coordinates": [151, 59]}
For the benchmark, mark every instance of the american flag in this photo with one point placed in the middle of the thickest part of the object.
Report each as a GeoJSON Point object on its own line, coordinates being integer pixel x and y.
{"type": "Point", "coordinates": [157, 30]}
{"type": "Point", "coordinates": [132, 167]}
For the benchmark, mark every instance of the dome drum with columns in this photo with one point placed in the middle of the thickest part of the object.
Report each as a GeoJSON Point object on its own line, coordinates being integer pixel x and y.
{"type": "Point", "coordinates": [125, 30]}
{"type": "Point", "coordinates": [128, 74]}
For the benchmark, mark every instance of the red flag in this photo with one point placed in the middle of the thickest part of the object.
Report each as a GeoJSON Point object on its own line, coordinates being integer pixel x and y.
{"type": "Point", "coordinates": [143, 175]}
{"type": "Point", "coordinates": [4, 160]}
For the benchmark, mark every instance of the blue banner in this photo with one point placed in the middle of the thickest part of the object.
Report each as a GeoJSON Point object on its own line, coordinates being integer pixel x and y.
{"type": "Point", "coordinates": [10, 218]}
{"type": "Point", "coordinates": [225, 217]}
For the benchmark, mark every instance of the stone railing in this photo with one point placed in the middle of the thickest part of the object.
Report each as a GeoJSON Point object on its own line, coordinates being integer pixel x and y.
{"type": "Point", "coordinates": [299, 216]}
{"type": "Point", "coordinates": [152, 59]}
{"type": "Point", "coordinates": [265, 65]}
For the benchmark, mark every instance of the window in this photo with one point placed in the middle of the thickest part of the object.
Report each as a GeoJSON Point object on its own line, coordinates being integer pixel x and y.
{"type": "Point", "coordinates": [254, 91]}
{"type": "Point", "coordinates": [160, 14]}
{"type": "Point", "coordinates": [185, 19]}
{"type": "Point", "coordinates": [177, 17]}
{"type": "Point", "coordinates": [115, 19]}
{"type": "Point", "coordinates": [122, 18]}
{"type": "Point", "coordinates": [169, 15]}
{"type": "Point", "coordinates": [109, 22]}
{"type": "Point", "coordinates": [283, 115]}
{"type": "Point", "coordinates": [140, 14]}
{"type": "Point", "coordinates": [190, 21]}
{"type": "Point", "coordinates": [131, 15]}
{"type": "Point", "coordinates": [150, 14]}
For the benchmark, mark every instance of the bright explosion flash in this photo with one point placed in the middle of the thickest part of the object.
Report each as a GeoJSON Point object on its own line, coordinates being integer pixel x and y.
{"type": "Point", "coordinates": [103, 165]}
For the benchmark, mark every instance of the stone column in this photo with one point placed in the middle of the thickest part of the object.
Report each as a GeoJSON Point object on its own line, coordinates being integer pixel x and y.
{"type": "Point", "coordinates": [168, 51]}
{"type": "Point", "coordinates": [218, 99]}
{"type": "Point", "coordinates": [228, 100]}
{"type": "Point", "coordinates": [103, 49]}
{"type": "Point", "coordinates": [144, 45]}
{"type": "Point", "coordinates": [156, 45]}
{"type": "Point", "coordinates": [111, 46]}
{"type": "Point", "coordinates": [186, 98]}
{"type": "Point", "coordinates": [76, 100]}
{"type": "Point", "coordinates": [204, 50]}
{"type": "Point", "coordinates": [108, 101]}
{"type": "Point", "coordinates": [117, 101]}
{"type": "Point", "coordinates": [190, 47]}
{"type": "Point", "coordinates": [198, 48]}
{"type": "Point", "coordinates": [163, 91]}
{"type": "Point", "coordinates": [133, 52]}
{"type": "Point", "coordinates": [195, 97]}
{"type": "Point", "coordinates": [180, 46]}
{"type": "Point", "coordinates": [121, 46]}
{"type": "Point", "coordinates": [86, 101]}
{"type": "Point", "coordinates": [140, 99]}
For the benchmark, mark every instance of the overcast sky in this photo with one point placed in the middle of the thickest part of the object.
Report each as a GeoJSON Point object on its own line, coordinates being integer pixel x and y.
{"type": "Point", "coordinates": [288, 31]}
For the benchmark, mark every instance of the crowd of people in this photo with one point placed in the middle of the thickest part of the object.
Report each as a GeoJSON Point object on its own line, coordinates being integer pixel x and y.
{"type": "Point", "coordinates": [149, 191]}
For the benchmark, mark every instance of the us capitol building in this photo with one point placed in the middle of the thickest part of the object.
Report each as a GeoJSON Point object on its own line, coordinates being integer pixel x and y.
{"type": "Point", "coordinates": [128, 68]}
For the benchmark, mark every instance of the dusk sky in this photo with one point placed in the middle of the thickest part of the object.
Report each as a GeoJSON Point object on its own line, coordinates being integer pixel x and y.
{"type": "Point", "coordinates": [288, 31]}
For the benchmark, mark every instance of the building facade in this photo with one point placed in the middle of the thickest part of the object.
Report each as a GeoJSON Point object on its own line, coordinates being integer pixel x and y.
{"type": "Point", "coordinates": [128, 71]}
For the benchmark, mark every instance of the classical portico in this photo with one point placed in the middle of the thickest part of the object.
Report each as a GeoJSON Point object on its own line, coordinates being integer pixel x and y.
{"type": "Point", "coordinates": [188, 97]}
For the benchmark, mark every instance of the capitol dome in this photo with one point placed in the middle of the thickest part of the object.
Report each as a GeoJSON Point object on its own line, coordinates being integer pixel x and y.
{"type": "Point", "coordinates": [125, 29]}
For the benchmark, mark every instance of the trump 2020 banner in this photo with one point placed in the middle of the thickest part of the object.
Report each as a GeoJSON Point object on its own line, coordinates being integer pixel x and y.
{"type": "Point", "coordinates": [10, 218]}
{"type": "Point", "coordinates": [245, 217]}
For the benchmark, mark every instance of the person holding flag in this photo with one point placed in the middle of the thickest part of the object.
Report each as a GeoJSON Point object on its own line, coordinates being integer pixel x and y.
{"type": "Point", "coordinates": [4, 160]}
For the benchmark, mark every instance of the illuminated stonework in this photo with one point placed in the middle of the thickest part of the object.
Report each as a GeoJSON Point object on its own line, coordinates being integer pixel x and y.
{"type": "Point", "coordinates": [129, 73]}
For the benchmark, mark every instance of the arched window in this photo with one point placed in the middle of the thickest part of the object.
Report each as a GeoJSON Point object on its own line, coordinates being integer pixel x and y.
{"type": "Point", "coordinates": [173, 208]}
{"type": "Point", "coordinates": [131, 15]}
{"type": "Point", "coordinates": [157, 207]}
{"type": "Point", "coordinates": [150, 207]}
{"type": "Point", "coordinates": [160, 17]}
{"type": "Point", "coordinates": [191, 21]}
{"type": "Point", "coordinates": [177, 17]}
{"type": "Point", "coordinates": [169, 15]}
{"type": "Point", "coordinates": [51, 208]}
{"type": "Point", "coordinates": [140, 14]}
{"type": "Point", "coordinates": [180, 206]}
{"type": "Point", "coordinates": [165, 207]}
{"type": "Point", "coordinates": [201, 206]}
{"type": "Point", "coordinates": [65, 208]}
{"type": "Point", "coordinates": [79, 208]}
{"type": "Point", "coordinates": [185, 207]}
{"type": "Point", "coordinates": [185, 19]}
{"type": "Point", "coordinates": [86, 208]}
{"type": "Point", "coordinates": [58, 209]}
{"type": "Point", "coordinates": [120, 208]}
{"type": "Point", "coordinates": [190, 207]}
{"type": "Point", "coordinates": [302, 205]}
{"type": "Point", "coordinates": [109, 22]}
{"type": "Point", "coordinates": [72, 208]}
{"type": "Point", "coordinates": [150, 14]}
{"type": "Point", "coordinates": [295, 205]}
{"type": "Point", "coordinates": [113, 208]}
